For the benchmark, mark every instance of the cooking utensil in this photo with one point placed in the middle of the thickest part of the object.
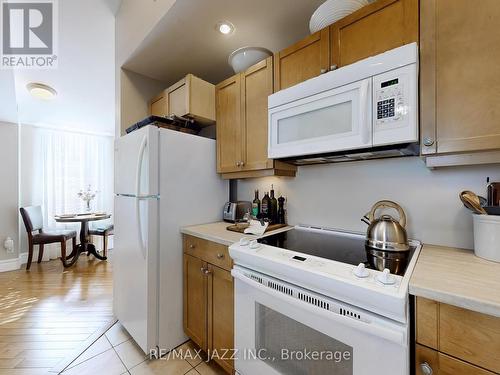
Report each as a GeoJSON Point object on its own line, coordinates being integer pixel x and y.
{"type": "Point", "coordinates": [472, 202]}
{"type": "Point", "coordinates": [386, 239]}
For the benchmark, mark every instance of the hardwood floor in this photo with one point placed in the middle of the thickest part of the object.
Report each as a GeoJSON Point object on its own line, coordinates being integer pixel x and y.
{"type": "Point", "coordinates": [49, 311]}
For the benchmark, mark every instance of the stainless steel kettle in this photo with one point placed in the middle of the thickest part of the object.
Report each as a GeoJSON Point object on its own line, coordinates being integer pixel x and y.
{"type": "Point", "coordinates": [386, 240]}
{"type": "Point", "coordinates": [385, 232]}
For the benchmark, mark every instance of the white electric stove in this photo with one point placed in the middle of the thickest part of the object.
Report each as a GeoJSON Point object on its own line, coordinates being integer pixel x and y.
{"type": "Point", "coordinates": [306, 302]}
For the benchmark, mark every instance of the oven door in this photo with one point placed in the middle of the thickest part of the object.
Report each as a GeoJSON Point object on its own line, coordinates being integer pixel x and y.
{"type": "Point", "coordinates": [283, 329]}
{"type": "Point", "coordinates": [334, 120]}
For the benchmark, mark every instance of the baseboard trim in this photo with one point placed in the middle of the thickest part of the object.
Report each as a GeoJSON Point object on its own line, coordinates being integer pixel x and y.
{"type": "Point", "coordinates": [9, 265]}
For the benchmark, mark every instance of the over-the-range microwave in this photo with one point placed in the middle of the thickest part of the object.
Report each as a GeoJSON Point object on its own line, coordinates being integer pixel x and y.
{"type": "Point", "coordinates": [368, 109]}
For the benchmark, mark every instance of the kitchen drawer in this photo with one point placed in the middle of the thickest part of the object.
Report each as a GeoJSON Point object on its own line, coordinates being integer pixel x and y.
{"type": "Point", "coordinates": [441, 364]}
{"type": "Point", "coordinates": [471, 336]}
{"type": "Point", "coordinates": [208, 251]}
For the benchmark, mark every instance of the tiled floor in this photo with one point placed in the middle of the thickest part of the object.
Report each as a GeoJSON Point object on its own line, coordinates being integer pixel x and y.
{"type": "Point", "coordinates": [116, 353]}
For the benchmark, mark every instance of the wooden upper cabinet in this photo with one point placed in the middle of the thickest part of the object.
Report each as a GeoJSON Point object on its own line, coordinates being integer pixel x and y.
{"type": "Point", "coordinates": [159, 105]}
{"type": "Point", "coordinates": [191, 97]}
{"type": "Point", "coordinates": [242, 125]}
{"type": "Point", "coordinates": [229, 130]}
{"type": "Point", "coordinates": [373, 29]}
{"type": "Point", "coordinates": [460, 76]}
{"type": "Point", "coordinates": [305, 59]}
{"type": "Point", "coordinates": [256, 86]}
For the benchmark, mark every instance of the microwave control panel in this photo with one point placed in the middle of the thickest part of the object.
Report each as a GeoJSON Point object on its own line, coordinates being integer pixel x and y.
{"type": "Point", "coordinates": [395, 106]}
{"type": "Point", "coordinates": [390, 100]}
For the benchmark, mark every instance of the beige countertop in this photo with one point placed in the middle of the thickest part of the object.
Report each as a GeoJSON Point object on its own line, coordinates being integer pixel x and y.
{"type": "Point", "coordinates": [457, 277]}
{"type": "Point", "coordinates": [217, 232]}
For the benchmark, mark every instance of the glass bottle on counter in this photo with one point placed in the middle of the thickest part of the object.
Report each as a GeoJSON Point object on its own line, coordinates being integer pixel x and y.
{"type": "Point", "coordinates": [256, 205]}
{"type": "Point", "coordinates": [265, 206]}
{"type": "Point", "coordinates": [273, 209]}
{"type": "Point", "coordinates": [281, 210]}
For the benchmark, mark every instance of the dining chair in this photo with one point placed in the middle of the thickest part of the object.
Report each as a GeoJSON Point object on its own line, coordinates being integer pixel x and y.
{"type": "Point", "coordinates": [104, 231]}
{"type": "Point", "coordinates": [33, 221]}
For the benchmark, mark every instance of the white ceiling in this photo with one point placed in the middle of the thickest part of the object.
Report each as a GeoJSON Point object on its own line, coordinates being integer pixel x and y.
{"type": "Point", "coordinates": [84, 78]}
{"type": "Point", "coordinates": [185, 39]}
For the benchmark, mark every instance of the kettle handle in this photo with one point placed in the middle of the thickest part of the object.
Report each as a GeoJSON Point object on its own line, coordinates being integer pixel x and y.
{"type": "Point", "coordinates": [388, 204]}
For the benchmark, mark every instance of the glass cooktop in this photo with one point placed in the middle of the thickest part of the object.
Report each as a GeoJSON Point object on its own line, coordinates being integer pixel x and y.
{"type": "Point", "coordinates": [339, 246]}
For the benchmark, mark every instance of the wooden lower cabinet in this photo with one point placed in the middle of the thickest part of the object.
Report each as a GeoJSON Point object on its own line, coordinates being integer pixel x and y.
{"type": "Point", "coordinates": [208, 299]}
{"type": "Point", "coordinates": [221, 315]}
{"type": "Point", "coordinates": [455, 341]}
{"type": "Point", "coordinates": [195, 300]}
{"type": "Point", "coordinates": [428, 360]}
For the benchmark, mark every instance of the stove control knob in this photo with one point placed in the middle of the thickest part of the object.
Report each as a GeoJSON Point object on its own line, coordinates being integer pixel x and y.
{"type": "Point", "coordinates": [386, 278]}
{"type": "Point", "coordinates": [244, 241]}
{"type": "Point", "coordinates": [254, 245]}
{"type": "Point", "coordinates": [361, 271]}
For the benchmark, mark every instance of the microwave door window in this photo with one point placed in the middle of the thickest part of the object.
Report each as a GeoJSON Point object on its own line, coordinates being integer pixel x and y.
{"type": "Point", "coordinates": [283, 343]}
{"type": "Point", "coordinates": [333, 120]}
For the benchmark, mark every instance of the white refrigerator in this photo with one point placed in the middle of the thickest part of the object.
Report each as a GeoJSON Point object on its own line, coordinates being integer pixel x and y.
{"type": "Point", "coordinates": [163, 180]}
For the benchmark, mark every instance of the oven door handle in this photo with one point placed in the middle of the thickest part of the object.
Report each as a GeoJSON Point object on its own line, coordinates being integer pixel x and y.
{"type": "Point", "coordinates": [396, 336]}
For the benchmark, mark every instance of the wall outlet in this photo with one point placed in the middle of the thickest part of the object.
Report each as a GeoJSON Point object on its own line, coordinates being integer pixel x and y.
{"type": "Point", "coordinates": [9, 245]}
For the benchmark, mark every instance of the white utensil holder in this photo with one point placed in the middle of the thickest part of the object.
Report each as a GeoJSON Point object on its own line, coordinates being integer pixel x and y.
{"type": "Point", "coordinates": [487, 237]}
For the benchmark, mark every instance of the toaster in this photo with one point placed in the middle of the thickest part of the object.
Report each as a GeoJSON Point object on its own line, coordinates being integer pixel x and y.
{"type": "Point", "coordinates": [234, 211]}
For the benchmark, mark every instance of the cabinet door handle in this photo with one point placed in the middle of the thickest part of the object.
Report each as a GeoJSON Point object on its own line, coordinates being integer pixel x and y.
{"type": "Point", "coordinates": [238, 163]}
{"type": "Point", "coordinates": [192, 246]}
{"type": "Point", "coordinates": [333, 67]}
{"type": "Point", "coordinates": [428, 141]}
{"type": "Point", "coordinates": [220, 256]}
{"type": "Point", "coordinates": [322, 71]}
{"type": "Point", "coordinates": [205, 271]}
{"type": "Point", "coordinates": [242, 163]}
{"type": "Point", "coordinates": [426, 368]}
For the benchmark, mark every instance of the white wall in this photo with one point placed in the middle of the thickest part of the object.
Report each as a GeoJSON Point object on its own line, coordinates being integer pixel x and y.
{"type": "Point", "coordinates": [135, 92]}
{"type": "Point", "coordinates": [134, 21]}
{"type": "Point", "coordinates": [9, 197]}
{"type": "Point", "coordinates": [338, 195]}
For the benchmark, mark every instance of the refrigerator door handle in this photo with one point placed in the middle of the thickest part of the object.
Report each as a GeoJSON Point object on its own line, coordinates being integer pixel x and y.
{"type": "Point", "coordinates": [142, 247]}
{"type": "Point", "coordinates": [140, 159]}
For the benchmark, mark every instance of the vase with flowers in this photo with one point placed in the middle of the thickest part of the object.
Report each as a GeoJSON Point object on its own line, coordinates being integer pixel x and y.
{"type": "Point", "coordinates": [87, 196]}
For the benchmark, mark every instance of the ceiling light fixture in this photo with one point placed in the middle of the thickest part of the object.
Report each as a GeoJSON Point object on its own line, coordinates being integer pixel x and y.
{"type": "Point", "coordinates": [41, 91]}
{"type": "Point", "coordinates": [225, 27]}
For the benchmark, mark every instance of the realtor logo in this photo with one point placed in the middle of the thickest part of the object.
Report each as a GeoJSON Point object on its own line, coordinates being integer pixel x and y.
{"type": "Point", "coordinates": [29, 33]}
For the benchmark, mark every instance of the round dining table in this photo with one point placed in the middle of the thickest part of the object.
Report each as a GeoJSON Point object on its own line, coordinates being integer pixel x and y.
{"type": "Point", "coordinates": [85, 245]}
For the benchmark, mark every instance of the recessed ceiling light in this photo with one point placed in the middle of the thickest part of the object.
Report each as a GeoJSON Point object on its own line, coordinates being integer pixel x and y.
{"type": "Point", "coordinates": [41, 91]}
{"type": "Point", "coordinates": [225, 27]}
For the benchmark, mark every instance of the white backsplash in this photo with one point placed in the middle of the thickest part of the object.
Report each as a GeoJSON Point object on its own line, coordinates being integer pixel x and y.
{"type": "Point", "coordinates": [338, 195]}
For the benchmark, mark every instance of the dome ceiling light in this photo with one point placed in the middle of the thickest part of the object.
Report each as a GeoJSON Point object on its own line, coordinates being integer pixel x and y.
{"type": "Point", "coordinates": [41, 91]}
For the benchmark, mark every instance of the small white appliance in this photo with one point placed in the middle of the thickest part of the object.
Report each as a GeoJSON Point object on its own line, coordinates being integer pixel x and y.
{"type": "Point", "coordinates": [164, 179]}
{"type": "Point", "coordinates": [306, 302]}
{"type": "Point", "coordinates": [367, 108]}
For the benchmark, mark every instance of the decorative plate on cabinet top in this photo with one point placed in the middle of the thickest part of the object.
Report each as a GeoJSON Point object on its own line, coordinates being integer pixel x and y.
{"type": "Point", "coordinates": [333, 10]}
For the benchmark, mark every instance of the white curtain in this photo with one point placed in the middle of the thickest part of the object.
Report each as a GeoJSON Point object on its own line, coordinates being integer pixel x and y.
{"type": "Point", "coordinates": [66, 163]}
